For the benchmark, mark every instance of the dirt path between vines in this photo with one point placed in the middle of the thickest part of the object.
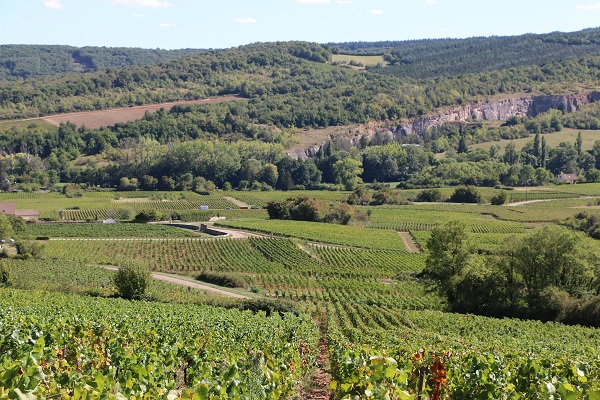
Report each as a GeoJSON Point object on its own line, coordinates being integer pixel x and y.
{"type": "Point", "coordinates": [319, 389]}
{"type": "Point", "coordinates": [409, 242]}
{"type": "Point", "coordinates": [237, 202]}
{"type": "Point", "coordinates": [184, 282]}
{"type": "Point", "coordinates": [319, 378]}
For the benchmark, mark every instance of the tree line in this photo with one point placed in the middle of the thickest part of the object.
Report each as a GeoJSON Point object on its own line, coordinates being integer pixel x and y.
{"type": "Point", "coordinates": [429, 58]}
{"type": "Point", "coordinates": [559, 281]}
{"type": "Point", "coordinates": [24, 61]}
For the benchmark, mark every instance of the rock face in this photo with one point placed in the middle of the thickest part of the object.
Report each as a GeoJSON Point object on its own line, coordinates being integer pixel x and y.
{"type": "Point", "coordinates": [498, 111]}
{"type": "Point", "coordinates": [502, 110]}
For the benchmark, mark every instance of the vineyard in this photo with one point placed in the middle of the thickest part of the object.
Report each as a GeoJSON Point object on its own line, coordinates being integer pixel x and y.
{"type": "Point", "coordinates": [387, 331]}
{"type": "Point", "coordinates": [55, 345]}
{"type": "Point", "coordinates": [418, 219]}
{"type": "Point", "coordinates": [442, 355]}
{"type": "Point", "coordinates": [103, 205]}
{"type": "Point", "coordinates": [325, 233]}
{"type": "Point", "coordinates": [257, 255]}
{"type": "Point", "coordinates": [261, 199]}
{"type": "Point", "coordinates": [95, 230]}
{"type": "Point", "coordinates": [73, 277]}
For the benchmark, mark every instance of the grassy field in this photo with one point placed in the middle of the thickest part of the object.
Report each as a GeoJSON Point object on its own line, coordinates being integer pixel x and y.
{"type": "Point", "coordinates": [6, 126]}
{"type": "Point", "coordinates": [552, 139]}
{"type": "Point", "coordinates": [365, 60]}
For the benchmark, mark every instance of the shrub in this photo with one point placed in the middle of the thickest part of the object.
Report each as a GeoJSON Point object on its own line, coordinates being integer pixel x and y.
{"type": "Point", "coordinates": [125, 214]}
{"type": "Point", "coordinates": [278, 209]}
{"type": "Point", "coordinates": [500, 199]}
{"type": "Point", "coordinates": [193, 215]}
{"type": "Point", "coordinates": [269, 306]}
{"type": "Point", "coordinates": [148, 215]}
{"type": "Point", "coordinates": [429, 195]}
{"type": "Point", "coordinates": [222, 279]}
{"type": "Point", "coordinates": [387, 196]}
{"type": "Point", "coordinates": [5, 275]}
{"type": "Point", "coordinates": [132, 280]}
{"type": "Point", "coordinates": [341, 213]}
{"type": "Point", "coordinates": [467, 194]}
{"type": "Point", "coordinates": [304, 208]}
{"type": "Point", "coordinates": [28, 248]}
{"type": "Point", "coordinates": [17, 223]}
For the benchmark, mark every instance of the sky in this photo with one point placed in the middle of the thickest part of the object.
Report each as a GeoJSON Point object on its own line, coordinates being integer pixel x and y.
{"type": "Point", "coordinates": [176, 24]}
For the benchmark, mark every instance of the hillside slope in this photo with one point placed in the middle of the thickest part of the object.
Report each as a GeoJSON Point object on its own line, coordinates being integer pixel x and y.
{"type": "Point", "coordinates": [429, 58]}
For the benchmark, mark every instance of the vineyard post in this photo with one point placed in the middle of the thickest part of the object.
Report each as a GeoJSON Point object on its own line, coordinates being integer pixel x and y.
{"type": "Point", "coordinates": [421, 382]}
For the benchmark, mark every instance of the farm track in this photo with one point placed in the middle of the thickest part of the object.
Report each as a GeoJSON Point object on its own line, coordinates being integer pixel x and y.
{"type": "Point", "coordinates": [409, 242]}
{"type": "Point", "coordinates": [237, 202]}
{"type": "Point", "coordinates": [521, 203]}
{"type": "Point", "coordinates": [229, 234]}
{"type": "Point", "coordinates": [321, 379]}
{"type": "Point", "coordinates": [184, 282]}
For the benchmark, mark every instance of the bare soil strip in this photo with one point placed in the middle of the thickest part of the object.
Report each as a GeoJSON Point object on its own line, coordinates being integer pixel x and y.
{"type": "Point", "coordinates": [97, 119]}
{"type": "Point", "coordinates": [520, 203]}
{"type": "Point", "coordinates": [194, 285]}
{"type": "Point", "coordinates": [237, 202]}
{"type": "Point", "coordinates": [319, 379]}
{"type": "Point", "coordinates": [312, 255]}
{"type": "Point", "coordinates": [319, 389]}
{"type": "Point", "coordinates": [409, 242]}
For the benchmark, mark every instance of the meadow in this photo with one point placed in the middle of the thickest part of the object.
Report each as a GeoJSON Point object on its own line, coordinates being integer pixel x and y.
{"type": "Point", "coordinates": [364, 60]}
{"type": "Point", "coordinates": [552, 139]}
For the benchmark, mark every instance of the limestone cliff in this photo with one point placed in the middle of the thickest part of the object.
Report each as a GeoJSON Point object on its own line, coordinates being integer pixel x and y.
{"type": "Point", "coordinates": [502, 110]}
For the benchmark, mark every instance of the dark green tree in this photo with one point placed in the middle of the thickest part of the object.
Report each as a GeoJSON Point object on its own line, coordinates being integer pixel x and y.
{"type": "Point", "coordinates": [448, 252]}
{"type": "Point", "coordinates": [467, 194]}
{"type": "Point", "coordinates": [463, 147]}
{"type": "Point", "coordinates": [579, 144]}
{"type": "Point", "coordinates": [132, 280]}
{"type": "Point", "coordinates": [543, 153]}
{"type": "Point", "coordinates": [500, 199]}
{"type": "Point", "coordinates": [536, 146]}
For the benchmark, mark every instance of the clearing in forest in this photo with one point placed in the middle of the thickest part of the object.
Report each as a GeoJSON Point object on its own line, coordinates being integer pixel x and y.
{"type": "Point", "coordinates": [97, 119]}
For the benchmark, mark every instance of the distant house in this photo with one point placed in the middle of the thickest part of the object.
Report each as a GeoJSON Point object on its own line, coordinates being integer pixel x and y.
{"type": "Point", "coordinates": [566, 178]}
{"type": "Point", "coordinates": [10, 208]}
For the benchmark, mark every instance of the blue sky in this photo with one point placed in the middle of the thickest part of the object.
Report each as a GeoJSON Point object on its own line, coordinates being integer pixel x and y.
{"type": "Point", "coordinates": [172, 24]}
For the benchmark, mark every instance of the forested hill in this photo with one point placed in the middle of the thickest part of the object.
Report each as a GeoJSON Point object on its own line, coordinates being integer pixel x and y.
{"type": "Point", "coordinates": [431, 58]}
{"type": "Point", "coordinates": [22, 61]}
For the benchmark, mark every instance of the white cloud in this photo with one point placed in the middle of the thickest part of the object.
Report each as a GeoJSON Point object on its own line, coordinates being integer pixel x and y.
{"type": "Point", "coordinates": [137, 15]}
{"type": "Point", "coordinates": [376, 12]}
{"type": "Point", "coordinates": [248, 20]}
{"type": "Point", "coordinates": [430, 2]}
{"type": "Point", "coordinates": [588, 7]}
{"type": "Point", "coordinates": [53, 4]}
{"type": "Point", "coordinates": [144, 3]}
{"type": "Point", "coordinates": [313, 1]}
{"type": "Point", "coordinates": [343, 2]}
{"type": "Point", "coordinates": [167, 25]}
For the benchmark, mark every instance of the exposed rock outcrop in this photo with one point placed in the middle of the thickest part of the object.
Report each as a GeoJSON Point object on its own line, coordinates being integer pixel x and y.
{"type": "Point", "coordinates": [502, 110]}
